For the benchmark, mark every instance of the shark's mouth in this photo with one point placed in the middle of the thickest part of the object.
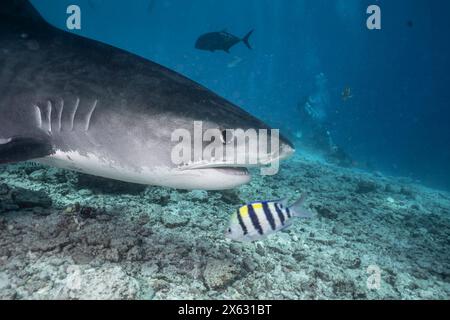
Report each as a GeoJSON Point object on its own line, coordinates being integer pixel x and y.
{"type": "Point", "coordinates": [233, 171]}
{"type": "Point", "coordinates": [220, 167]}
{"type": "Point", "coordinates": [239, 168]}
{"type": "Point", "coordinates": [231, 165]}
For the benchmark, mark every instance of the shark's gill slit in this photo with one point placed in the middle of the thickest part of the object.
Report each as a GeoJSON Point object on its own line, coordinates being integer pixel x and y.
{"type": "Point", "coordinates": [89, 116]}
{"type": "Point", "coordinates": [72, 118]}
{"type": "Point", "coordinates": [49, 115]}
{"type": "Point", "coordinates": [60, 108]}
{"type": "Point", "coordinates": [38, 116]}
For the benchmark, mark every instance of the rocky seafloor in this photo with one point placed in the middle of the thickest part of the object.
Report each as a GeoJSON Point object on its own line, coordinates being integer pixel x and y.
{"type": "Point", "coordinates": [65, 235]}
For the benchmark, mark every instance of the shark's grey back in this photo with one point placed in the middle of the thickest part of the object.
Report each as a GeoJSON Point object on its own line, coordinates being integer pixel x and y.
{"type": "Point", "coordinates": [34, 51]}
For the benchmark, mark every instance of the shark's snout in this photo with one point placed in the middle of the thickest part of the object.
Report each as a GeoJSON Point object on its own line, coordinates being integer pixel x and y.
{"type": "Point", "coordinates": [287, 150]}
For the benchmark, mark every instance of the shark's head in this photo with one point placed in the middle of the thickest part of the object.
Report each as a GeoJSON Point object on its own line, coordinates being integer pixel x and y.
{"type": "Point", "coordinates": [214, 146]}
{"type": "Point", "coordinates": [187, 137]}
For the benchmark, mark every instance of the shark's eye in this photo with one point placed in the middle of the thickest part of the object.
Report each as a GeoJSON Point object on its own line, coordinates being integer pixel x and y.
{"type": "Point", "coordinates": [229, 230]}
{"type": "Point", "coordinates": [227, 136]}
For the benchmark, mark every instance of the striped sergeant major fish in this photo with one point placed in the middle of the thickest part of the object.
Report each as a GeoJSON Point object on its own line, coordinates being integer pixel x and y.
{"type": "Point", "coordinates": [257, 220]}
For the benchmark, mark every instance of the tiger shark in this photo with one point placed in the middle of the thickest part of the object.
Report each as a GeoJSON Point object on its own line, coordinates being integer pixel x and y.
{"type": "Point", "coordinates": [79, 104]}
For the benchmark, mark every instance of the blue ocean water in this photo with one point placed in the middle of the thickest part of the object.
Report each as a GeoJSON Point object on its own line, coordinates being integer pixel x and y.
{"type": "Point", "coordinates": [397, 119]}
{"type": "Point", "coordinates": [365, 108]}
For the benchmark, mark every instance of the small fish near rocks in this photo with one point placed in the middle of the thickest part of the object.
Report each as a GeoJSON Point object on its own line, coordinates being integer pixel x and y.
{"type": "Point", "coordinates": [257, 220]}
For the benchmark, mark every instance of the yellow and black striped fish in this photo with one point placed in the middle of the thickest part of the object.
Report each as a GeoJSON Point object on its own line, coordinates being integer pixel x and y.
{"type": "Point", "coordinates": [257, 220]}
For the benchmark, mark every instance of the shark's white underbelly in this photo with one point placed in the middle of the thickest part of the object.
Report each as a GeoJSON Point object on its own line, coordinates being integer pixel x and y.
{"type": "Point", "coordinates": [208, 179]}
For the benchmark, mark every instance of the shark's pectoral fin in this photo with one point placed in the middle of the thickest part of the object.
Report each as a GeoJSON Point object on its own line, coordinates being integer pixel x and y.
{"type": "Point", "coordinates": [18, 149]}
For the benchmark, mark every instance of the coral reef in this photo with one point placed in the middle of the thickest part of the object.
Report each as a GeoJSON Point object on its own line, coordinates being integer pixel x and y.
{"type": "Point", "coordinates": [66, 235]}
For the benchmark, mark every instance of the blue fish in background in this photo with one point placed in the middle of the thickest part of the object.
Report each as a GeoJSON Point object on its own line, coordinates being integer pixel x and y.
{"type": "Point", "coordinates": [223, 40]}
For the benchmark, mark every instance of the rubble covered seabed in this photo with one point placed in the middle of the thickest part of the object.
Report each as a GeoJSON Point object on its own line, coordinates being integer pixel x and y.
{"type": "Point", "coordinates": [65, 235]}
